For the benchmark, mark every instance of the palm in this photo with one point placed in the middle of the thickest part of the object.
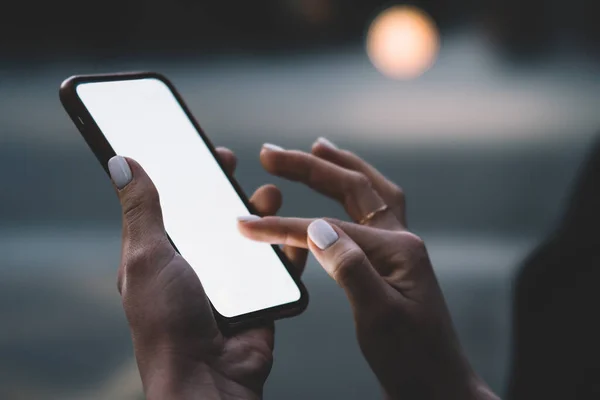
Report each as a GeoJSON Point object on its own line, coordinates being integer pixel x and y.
{"type": "Point", "coordinates": [242, 360]}
{"type": "Point", "coordinates": [247, 358]}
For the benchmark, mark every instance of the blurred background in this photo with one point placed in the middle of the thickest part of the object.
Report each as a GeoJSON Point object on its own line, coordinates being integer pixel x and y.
{"type": "Point", "coordinates": [483, 111]}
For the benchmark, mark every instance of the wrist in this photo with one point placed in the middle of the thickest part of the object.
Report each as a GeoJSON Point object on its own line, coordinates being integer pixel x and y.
{"type": "Point", "coordinates": [474, 389]}
{"type": "Point", "coordinates": [166, 377]}
{"type": "Point", "coordinates": [469, 387]}
{"type": "Point", "coordinates": [456, 378]}
{"type": "Point", "coordinates": [171, 377]}
{"type": "Point", "coordinates": [479, 390]}
{"type": "Point", "coordinates": [459, 382]}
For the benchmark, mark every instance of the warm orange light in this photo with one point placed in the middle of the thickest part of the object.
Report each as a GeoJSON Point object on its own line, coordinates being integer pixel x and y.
{"type": "Point", "coordinates": [402, 42]}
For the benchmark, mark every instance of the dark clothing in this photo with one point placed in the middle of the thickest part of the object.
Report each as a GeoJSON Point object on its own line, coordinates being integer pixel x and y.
{"type": "Point", "coordinates": [556, 331]}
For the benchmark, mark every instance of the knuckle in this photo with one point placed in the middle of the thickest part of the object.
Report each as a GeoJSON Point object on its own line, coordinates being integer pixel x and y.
{"type": "Point", "coordinates": [356, 184]}
{"type": "Point", "coordinates": [348, 262]}
{"type": "Point", "coordinates": [407, 240]}
{"type": "Point", "coordinates": [332, 221]}
{"type": "Point", "coordinates": [133, 210]}
{"type": "Point", "coordinates": [140, 203]}
{"type": "Point", "coordinates": [345, 226]}
{"type": "Point", "coordinates": [351, 156]}
{"type": "Point", "coordinates": [413, 241]}
{"type": "Point", "coordinates": [360, 181]}
{"type": "Point", "coordinates": [287, 234]}
{"type": "Point", "coordinates": [151, 195]}
{"type": "Point", "coordinates": [397, 195]}
{"type": "Point", "coordinates": [311, 172]}
{"type": "Point", "coordinates": [136, 259]}
{"type": "Point", "coordinates": [413, 247]}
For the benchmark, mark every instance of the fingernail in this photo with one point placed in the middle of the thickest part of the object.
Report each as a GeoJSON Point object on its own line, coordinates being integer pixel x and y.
{"type": "Point", "coordinates": [272, 147]}
{"type": "Point", "coordinates": [326, 142]}
{"type": "Point", "coordinates": [322, 234]}
{"type": "Point", "coordinates": [120, 173]}
{"type": "Point", "coordinates": [248, 218]}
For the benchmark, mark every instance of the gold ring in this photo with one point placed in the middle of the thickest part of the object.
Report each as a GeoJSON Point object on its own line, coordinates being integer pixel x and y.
{"type": "Point", "coordinates": [372, 214]}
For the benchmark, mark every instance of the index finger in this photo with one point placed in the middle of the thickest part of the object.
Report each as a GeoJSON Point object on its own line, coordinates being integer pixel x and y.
{"type": "Point", "coordinates": [293, 231]}
{"type": "Point", "coordinates": [391, 193]}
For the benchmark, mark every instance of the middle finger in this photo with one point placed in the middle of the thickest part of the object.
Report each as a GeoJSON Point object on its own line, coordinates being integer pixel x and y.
{"type": "Point", "coordinates": [351, 188]}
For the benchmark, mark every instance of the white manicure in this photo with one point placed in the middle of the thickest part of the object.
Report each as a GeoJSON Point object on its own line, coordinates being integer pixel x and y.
{"type": "Point", "coordinates": [248, 218]}
{"type": "Point", "coordinates": [272, 147]}
{"type": "Point", "coordinates": [120, 172]}
{"type": "Point", "coordinates": [327, 143]}
{"type": "Point", "coordinates": [322, 234]}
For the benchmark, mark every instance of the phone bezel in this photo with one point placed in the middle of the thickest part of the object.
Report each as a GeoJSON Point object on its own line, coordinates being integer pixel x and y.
{"type": "Point", "coordinates": [103, 151]}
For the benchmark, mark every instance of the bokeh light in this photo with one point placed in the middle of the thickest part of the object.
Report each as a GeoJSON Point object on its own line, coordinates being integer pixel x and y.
{"type": "Point", "coordinates": [403, 42]}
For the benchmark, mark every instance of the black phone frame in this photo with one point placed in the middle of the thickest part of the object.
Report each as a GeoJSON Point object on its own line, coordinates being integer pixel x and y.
{"type": "Point", "coordinates": [103, 151]}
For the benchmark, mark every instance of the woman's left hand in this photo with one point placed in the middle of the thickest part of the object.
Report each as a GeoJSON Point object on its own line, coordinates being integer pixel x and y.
{"type": "Point", "coordinates": [179, 349]}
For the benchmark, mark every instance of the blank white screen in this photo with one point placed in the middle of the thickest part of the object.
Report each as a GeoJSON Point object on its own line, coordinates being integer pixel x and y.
{"type": "Point", "coordinates": [142, 119]}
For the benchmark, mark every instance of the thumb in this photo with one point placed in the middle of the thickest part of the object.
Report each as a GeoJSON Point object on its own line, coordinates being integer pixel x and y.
{"type": "Point", "coordinates": [143, 228]}
{"type": "Point", "coordinates": [345, 262]}
{"type": "Point", "coordinates": [142, 215]}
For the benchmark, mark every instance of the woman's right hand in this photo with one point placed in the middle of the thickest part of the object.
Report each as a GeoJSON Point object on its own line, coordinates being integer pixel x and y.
{"type": "Point", "coordinates": [402, 323]}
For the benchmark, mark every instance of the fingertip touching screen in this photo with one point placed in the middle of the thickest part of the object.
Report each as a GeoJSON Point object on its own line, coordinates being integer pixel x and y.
{"type": "Point", "coordinates": [142, 119]}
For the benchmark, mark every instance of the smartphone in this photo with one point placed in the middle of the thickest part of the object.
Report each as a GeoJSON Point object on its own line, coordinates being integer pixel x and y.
{"type": "Point", "coordinates": [142, 116]}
